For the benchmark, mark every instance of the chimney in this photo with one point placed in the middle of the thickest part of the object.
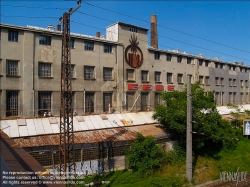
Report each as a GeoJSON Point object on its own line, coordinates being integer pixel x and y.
{"type": "Point", "coordinates": [154, 35]}
{"type": "Point", "coordinates": [98, 34]}
{"type": "Point", "coordinates": [58, 27]}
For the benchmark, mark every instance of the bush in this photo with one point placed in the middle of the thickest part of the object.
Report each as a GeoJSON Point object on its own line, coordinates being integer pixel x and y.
{"type": "Point", "coordinates": [144, 155]}
{"type": "Point", "coordinates": [177, 155]}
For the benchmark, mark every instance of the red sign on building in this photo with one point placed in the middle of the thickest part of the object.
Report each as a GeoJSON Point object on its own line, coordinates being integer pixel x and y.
{"type": "Point", "coordinates": [170, 87]}
{"type": "Point", "coordinates": [146, 87]}
{"type": "Point", "coordinates": [159, 87]}
{"type": "Point", "coordinates": [132, 86]}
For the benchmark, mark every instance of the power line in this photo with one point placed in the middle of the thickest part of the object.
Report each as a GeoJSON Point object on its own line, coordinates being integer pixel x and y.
{"type": "Point", "coordinates": [166, 38]}
{"type": "Point", "coordinates": [32, 17]}
{"type": "Point", "coordinates": [167, 28]}
{"type": "Point", "coordinates": [35, 7]}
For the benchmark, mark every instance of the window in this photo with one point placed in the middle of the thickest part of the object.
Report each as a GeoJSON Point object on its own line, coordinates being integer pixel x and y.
{"type": "Point", "coordinates": [217, 81]}
{"type": "Point", "coordinates": [233, 68]}
{"type": "Point", "coordinates": [169, 57]}
{"type": "Point", "coordinates": [72, 43]}
{"type": "Point", "coordinates": [246, 83]}
{"type": "Point", "coordinates": [234, 97]}
{"type": "Point", "coordinates": [234, 82]}
{"type": "Point", "coordinates": [157, 56]}
{"type": "Point", "coordinates": [144, 101]}
{"type": "Point", "coordinates": [230, 82]}
{"type": "Point", "coordinates": [230, 97]}
{"type": "Point", "coordinates": [179, 78]}
{"type": "Point", "coordinates": [107, 74]}
{"type": "Point", "coordinates": [12, 103]}
{"type": "Point", "coordinates": [72, 71]}
{"type": "Point", "coordinates": [89, 102]}
{"type": "Point", "coordinates": [107, 101]}
{"type": "Point", "coordinates": [191, 77]}
{"type": "Point", "coordinates": [241, 98]}
{"type": "Point", "coordinates": [130, 75]}
{"type": "Point", "coordinates": [89, 46]}
{"type": "Point", "coordinates": [169, 78]}
{"type": "Point", "coordinates": [157, 99]}
{"type": "Point", "coordinates": [45, 40]}
{"type": "Point", "coordinates": [207, 80]}
{"type": "Point", "coordinates": [89, 72]}
{"type": "Point", "coordinates": [221, 66]}
{"type": "Point", "coordinates": [201, 79]}
{"type": "Point", "coordinates": [44, 102]}
{"type": "Point", "coordinates": [207, 63]}
{"type": "Point", "coordinates": [144, 75]}
{"type": "Point", "coordinates": [12, 67]}
{"type": "Point", "coordinates": [157, 76]}
{"type": "Point", "coordinates": [189, 60]}
{"type": "Point", "coordinates": [13, 36]}
{"type": "Point", "coordinates": [107, 48]}
{"type": "Point", "coordinates": [216, 65]}
{"type": "Point", "coordinates": [132, 29]}
{"type": "Point", "coordinates": [217, 98]}
{"type": "Point", "coordinates": [200, 62]}
{"type": "Point", "coordinates": [44, 70]}
{"type": "Point", "coordinates": [179, 58]}
{"type": "Point", "coordinates": [222, 81]}
{"type": "Point", "coordinates": [241, 83]}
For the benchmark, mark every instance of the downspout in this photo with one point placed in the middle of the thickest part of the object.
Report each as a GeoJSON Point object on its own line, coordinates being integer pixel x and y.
{"type": "Point", "coordinates": [33, 73]}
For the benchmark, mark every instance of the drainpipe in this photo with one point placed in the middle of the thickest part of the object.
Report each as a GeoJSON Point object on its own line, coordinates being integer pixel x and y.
{"type": "Point", "coordinates": [33, 75]}
{"type": "Point", "coordinates": [84, 101]}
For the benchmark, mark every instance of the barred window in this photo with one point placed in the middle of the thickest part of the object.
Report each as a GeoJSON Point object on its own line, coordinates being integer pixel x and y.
{"type": "Point", "coordinates": [44, 70]}
{"type": "Point", "coordinates": [157, 98]}
{"type": "Point", "coordinates": [44, 40]}
{"type": "Point", "coordinates": [13, 36]}
{"type": "Point", "coordinates": [169, 57]}
{"type": "Point", "coordinates": [157, 76]}
{"type": "Point", "coordinates": [89, 72]}
{"type": "Point", "coordinates": [12, 67]}
{"type": "Point", "coordinates": [132, 29]}
{"type": "Point", "coordinates": [169, 78]}
{"type": "Point", "coordinates": [107, 74]}
{"type": "Point", "coordinates": [89, 102]}
{"type": "Point", "coordinates": [12, 103]}
{"type": "Point", "coordinates": [179, 78]}
{"type": "Point", "coordinates": [144, 75]}
{"type": "Point", "coordinates": [44, 102]}
{"type": "Point", "coordinates": [89, 46]}
{"type": "Point", "coordinates": [107, 48]}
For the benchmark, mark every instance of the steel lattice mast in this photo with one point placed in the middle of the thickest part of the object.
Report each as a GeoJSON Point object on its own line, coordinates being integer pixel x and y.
{"type": "Point", "coordinates": [66, 146]}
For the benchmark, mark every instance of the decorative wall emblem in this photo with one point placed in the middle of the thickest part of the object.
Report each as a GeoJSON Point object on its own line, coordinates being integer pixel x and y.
{"type": "Point", "coordinates": [133, 53]}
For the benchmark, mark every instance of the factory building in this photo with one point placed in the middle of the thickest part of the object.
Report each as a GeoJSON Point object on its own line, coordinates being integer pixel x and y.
{"type": "Point", "coordinates": [117, 72]}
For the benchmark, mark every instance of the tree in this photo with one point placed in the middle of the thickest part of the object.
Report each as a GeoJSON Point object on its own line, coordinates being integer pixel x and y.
{"type": "Point", "coordinates": [144, 155]}
{"type": "Point", "coordinates": [211, 130]}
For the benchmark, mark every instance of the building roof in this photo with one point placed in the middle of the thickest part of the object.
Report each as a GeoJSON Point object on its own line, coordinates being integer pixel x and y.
{"type": "Point", "coordinates": [129, 25]}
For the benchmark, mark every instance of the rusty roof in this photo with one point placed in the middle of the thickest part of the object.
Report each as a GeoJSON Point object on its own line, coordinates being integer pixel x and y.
{"type": "Point", "coordinates": [15, 159]}
{"type": "Point", "coordinates": [94, 136]}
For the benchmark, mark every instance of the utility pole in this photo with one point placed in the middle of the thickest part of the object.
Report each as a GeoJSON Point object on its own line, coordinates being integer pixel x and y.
{"type": "Point", "coordinates": [189, 164]}
{"type": "Point", "coordinates": [66, 146]}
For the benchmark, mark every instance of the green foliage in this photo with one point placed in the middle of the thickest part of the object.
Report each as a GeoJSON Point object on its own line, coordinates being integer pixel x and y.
{"type": "Point", "coordinates": [177, 155]}
{"type": "Point", "coordinates": [206, 119]}
{"type": "Point", "coordinates": [144, 155]}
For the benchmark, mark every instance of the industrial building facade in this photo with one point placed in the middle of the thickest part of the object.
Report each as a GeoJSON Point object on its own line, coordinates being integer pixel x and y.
{"type": "Point", "coordinates": [115, 73]}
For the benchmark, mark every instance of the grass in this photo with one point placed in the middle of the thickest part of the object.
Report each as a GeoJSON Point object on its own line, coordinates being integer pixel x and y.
{"type": "Point", "coordinates": [206, 168]}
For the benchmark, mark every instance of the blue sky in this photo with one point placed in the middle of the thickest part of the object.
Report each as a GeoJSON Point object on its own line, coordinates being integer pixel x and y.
{"type": "Point", "coordinates": [223, 22]}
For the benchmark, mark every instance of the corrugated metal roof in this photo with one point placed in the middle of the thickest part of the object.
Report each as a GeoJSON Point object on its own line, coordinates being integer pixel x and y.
{"type": "Point", "coordinates": [94, 136]}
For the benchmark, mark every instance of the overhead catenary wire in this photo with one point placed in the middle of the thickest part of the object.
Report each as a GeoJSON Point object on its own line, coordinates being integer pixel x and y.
{"type": "Point", "coordinates": [164, 45]}
{"type": "Point", "coordinates": [35, 7]}
{"type": "Point", "coordinates": [175, 30]}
